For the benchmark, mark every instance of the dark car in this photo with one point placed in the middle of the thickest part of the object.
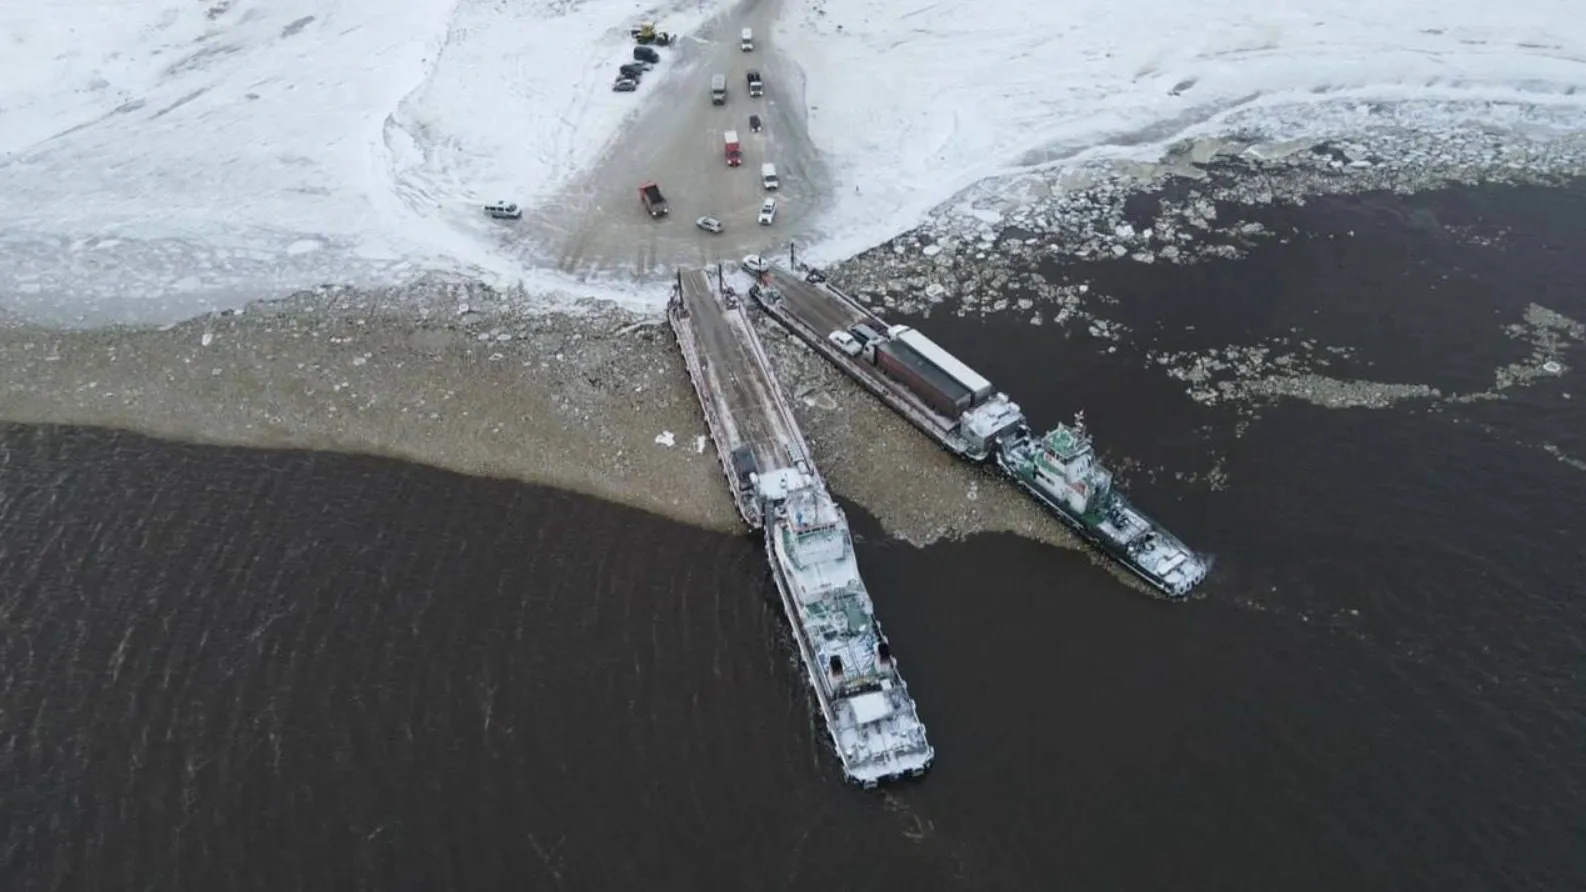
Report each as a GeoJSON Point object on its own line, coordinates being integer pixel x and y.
{"type": "Point", "coordinates": [754, 123]}
{"type": "Point", "coordinates": [633, 71]}
{"type": "Point", "coordinates": [645, 54]}
{"type": "Point", "coordinates": [744, 465]}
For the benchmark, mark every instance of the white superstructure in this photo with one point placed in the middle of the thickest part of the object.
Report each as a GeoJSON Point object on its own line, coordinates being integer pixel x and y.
{"type": "Point", "coordinates": [872, 719]}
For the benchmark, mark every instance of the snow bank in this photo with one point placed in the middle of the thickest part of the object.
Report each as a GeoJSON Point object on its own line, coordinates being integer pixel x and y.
{"type": "Point", "coordinates": [162, 160]}
{"type": "Point", "coordinates": [913, 101]}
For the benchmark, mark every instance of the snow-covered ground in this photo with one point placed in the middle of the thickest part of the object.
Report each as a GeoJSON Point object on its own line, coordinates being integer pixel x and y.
{"type": "Point", "coordinates": [163, 159]}
{"type": "Point", "coordinates": [912, 100]}
{"type": "Point", "coordinates": [160, 160]}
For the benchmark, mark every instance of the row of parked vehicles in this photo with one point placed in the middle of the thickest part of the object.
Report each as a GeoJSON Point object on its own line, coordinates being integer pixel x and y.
{"type": "Point", "coordinates": [655, 203]}
{"type": "Point", "coordinates": [629, 74]}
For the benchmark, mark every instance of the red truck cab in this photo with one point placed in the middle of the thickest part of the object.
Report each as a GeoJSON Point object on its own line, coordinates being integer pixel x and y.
{"type": "Point", "coordinates": [734, 149]}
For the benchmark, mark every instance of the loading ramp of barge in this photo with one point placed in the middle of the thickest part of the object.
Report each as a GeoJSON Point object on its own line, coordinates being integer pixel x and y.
{"type": "Point", "coordinates": [749, 421]}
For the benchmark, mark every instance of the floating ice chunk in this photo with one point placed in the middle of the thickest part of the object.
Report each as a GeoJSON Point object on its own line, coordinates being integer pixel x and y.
{"type": "Point", "coordinates": [666, 438]}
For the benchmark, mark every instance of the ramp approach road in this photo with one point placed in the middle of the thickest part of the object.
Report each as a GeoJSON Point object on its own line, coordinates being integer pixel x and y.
{"type": "Point", "coordinates": [598, 225]}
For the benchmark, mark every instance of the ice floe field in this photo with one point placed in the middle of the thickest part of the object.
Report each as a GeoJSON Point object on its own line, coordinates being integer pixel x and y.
{"type": "Point", "coordinates": [161, 160]}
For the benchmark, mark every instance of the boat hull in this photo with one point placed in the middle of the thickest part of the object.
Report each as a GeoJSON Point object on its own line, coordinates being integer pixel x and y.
{"type": "Point", "coordinates": [1111, 549]}
{"type": "Point", "coordinates": [811, 666]}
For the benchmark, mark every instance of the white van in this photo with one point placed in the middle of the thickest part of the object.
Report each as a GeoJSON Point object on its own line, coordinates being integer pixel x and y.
{"type": "Point", "coordinates": [746, 40]}
{"type": "Point", "coordinates": [768, 176]}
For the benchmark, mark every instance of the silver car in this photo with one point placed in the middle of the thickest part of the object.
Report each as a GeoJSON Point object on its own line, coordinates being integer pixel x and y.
{"type": "Point", "coordinates": [709, 224]}
{"type": "Point", "coordinates": [768, 212]}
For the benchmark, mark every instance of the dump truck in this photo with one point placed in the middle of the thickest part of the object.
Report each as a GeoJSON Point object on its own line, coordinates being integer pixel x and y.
{"type": "Point", "coordinates": [654, 202]}
{"type": "Point", "coordinates": [756, 85]}
{"type": "Point", "coordinates": [734, 150]}
{"type": "Point", "coordinates": [718, 89]}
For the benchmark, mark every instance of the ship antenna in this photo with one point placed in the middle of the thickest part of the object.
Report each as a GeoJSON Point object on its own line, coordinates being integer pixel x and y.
{"type": "Point", "coordinates": [1079, 421]}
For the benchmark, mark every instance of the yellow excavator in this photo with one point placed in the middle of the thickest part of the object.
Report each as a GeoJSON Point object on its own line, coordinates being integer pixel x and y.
{"type": "Point", "coordinates": [645, 33]}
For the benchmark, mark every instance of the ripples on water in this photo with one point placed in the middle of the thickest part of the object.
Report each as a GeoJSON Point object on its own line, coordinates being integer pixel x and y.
{"type": "Point", "coordinates": [230, 669]}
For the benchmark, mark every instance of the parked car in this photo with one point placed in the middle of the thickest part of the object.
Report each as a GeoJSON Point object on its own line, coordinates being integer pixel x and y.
{"type": "Point", "coordinates": [709, 224]}
{"type": "Point", "coordinates": [845, 342]}
{"type": "Point", "coordinates": [503, 210]}
{"type": "Point", "coordinates": [645, 54]}
{"type": "Point", "coordinates": [754, 263]}
{"type": "Point", "coordinates": [768, 212]}
{"type": "Point", "coordinates": [632, 71]}
{"type": "Point", "coordinates": [625, 85]}
{"type": "Point", "coordinates": [754, 123]}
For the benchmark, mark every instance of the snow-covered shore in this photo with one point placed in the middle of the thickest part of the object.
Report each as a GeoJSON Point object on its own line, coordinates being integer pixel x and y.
{"type": "Point", "coordinates": [160, 163]}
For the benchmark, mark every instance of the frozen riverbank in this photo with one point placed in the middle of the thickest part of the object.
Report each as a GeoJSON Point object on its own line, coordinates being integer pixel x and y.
{"type": "Point", "coordinates": [499, 383]}
{"type": "Point", "coordinates": [469, 379]}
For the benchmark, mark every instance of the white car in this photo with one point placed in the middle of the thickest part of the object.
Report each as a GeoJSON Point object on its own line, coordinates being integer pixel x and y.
{"type": "Point", "coordinates": [754, 263]}
{"type": "Point", "coordinates": [503, 210]}
{"type": "Point", "coordinates": [768, 212]}
{"type": "Point", "coordinates": [709, 224]}
{"type": "Point", "coordinates": [845, 342]}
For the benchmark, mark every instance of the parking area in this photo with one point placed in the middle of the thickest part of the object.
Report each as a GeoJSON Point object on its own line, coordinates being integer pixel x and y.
{"type": "Point", "coordinates": [677, 140]}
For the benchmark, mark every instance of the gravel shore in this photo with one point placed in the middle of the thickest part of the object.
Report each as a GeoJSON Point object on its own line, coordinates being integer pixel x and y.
{"type": "Point", "coordinates": [594, 401]}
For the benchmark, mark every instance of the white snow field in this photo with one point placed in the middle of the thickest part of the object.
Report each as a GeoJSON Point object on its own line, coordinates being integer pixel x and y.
{"type": "Point", "coordinates": [162, 159]}
{"type": "Point", "coordinates": [912, 100]}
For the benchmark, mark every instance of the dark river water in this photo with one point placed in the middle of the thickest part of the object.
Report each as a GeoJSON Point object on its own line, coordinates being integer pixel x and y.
{"type": "Point", "coordinates": [235, 669]}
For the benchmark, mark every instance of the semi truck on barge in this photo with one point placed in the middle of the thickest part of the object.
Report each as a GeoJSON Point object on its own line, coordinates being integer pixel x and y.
{"type": "Point", "coordinates": [963, 412]}
{"type": "Point", "coordinates": [904, 369]}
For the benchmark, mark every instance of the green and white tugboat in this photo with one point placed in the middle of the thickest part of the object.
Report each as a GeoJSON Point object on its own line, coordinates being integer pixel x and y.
{"type": "Point", "coordinates": [1060, 468]}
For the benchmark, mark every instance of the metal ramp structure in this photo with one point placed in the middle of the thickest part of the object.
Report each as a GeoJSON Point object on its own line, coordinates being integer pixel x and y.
{"type": "Point", "coordinates": [749, 420]}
